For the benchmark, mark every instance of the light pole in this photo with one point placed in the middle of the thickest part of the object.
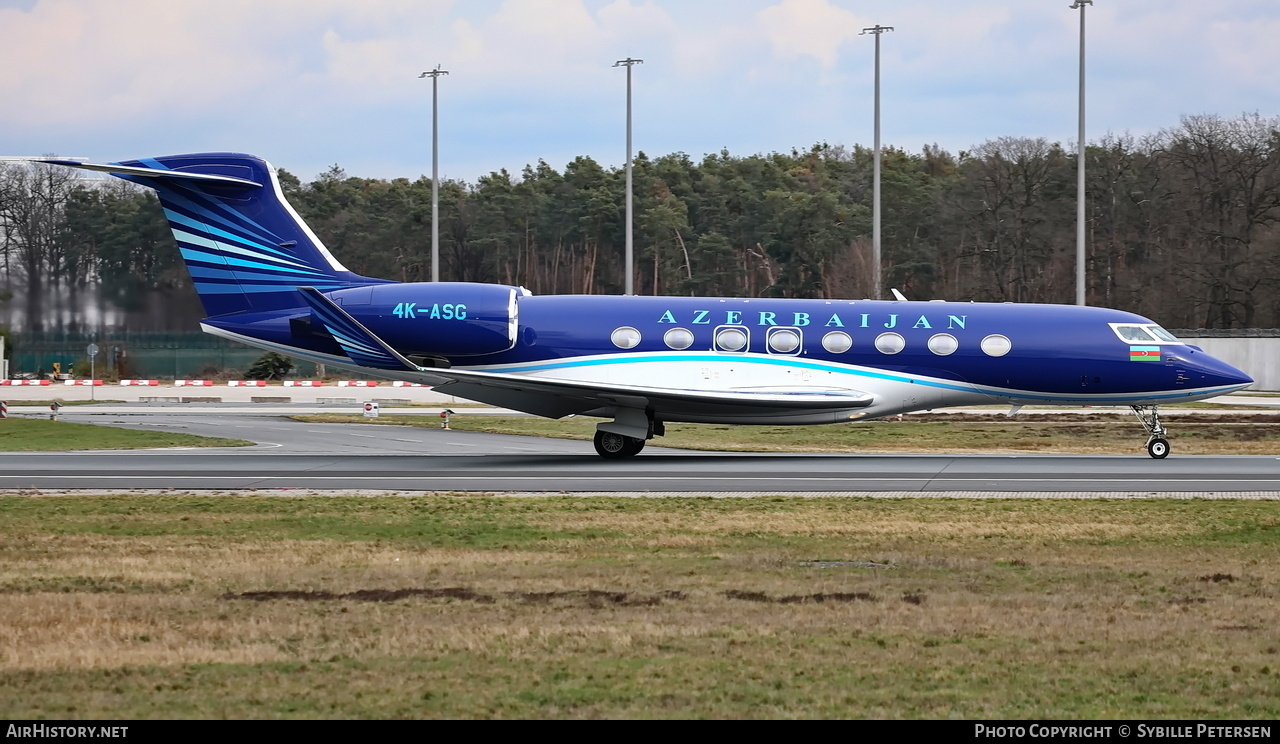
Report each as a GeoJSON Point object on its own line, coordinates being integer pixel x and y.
{"type": "Point", "coordinates": [435, 171]}
{"type": "Point", "coordinates": [628, 286]}
{"type": "Point", "coordinates": [1080, 299]}
{"type": "Point", "coordinates": [876, 30]}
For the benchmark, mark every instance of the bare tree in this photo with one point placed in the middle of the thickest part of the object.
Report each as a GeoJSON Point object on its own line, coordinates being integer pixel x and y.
{"type": "Point", "coordinates": [1226, 177]}
{"type": "Point", "coordinates": [32, 198]}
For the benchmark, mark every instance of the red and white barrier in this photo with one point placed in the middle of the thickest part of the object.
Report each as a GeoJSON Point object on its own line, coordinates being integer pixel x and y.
{"type": "Point", "coordinates": [357, 383]}
{"type": "Point", "coordinates": [4, 410]}
{"type": "Point", "coordinates": [246, 383]}
{"type": "Point", "coordinates": [195, 383]}
{"type": "Point", "coordinates": [24, 382]}
{"type": "Point", "coordinates": [302, 383]}
{"type": "Point", "coordinates": [82, 382]}
{"type": "Point", "coordinates": [139, 382]}
{"type": "Point", "coordinates": [402, 383]}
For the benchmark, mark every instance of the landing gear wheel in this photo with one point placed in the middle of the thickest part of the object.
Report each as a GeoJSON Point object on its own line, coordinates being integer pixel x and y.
{"type": "Point", "coordinates": [612, 446]}
{"type": "Point", "coordinates": [1157, 445]}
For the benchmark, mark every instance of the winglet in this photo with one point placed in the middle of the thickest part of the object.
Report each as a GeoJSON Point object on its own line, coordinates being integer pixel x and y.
{"type": "Point", "coordinates": [359, 343]}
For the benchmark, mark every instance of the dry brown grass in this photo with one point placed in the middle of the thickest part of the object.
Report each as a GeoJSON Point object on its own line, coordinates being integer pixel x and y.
{"type": "Point", "coordinates": [646, 607]}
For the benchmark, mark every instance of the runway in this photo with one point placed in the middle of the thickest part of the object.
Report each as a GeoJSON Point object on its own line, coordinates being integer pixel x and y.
{"type": "Point", "coordinates": [299, 455]}
{"type": "Point", "coordinates": [685, 473]}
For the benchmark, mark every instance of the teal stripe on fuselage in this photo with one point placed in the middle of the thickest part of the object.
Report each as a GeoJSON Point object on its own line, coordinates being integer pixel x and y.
{"type": "Point", "coordinates": [828, 367]}
{"type": "Point", "coordinates": [738, 359]}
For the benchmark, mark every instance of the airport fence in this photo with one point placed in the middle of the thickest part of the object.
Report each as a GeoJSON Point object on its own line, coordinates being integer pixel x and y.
{"type": "Point", "coordinates": [134, 355]}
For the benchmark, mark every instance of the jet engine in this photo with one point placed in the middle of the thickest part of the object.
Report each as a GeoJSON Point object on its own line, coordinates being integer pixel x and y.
{"type": "Point", "coordinates": [437, 319]}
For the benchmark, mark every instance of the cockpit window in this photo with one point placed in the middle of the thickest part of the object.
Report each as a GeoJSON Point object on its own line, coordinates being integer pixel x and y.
{"type": "Point", "coordinates": [1136, 333]}
{"type": "Point", "coordinates": [1133, 333]}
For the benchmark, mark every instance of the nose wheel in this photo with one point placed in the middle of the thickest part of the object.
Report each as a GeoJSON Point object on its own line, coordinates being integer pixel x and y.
{"type": "Point", "coordinates": [1149, 416]}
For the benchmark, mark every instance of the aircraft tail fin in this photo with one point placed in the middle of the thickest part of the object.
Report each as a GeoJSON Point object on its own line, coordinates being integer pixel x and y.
{"type": "Point", "coordinates": [244, 246]}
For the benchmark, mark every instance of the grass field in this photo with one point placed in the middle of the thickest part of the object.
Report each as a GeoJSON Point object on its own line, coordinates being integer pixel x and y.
{"type": "Point", "coordinates": [43, 435]}
{"type": "Point", "coordinates": [195, 606]}
{"type": "Point", "coordinates": [1098, 433]}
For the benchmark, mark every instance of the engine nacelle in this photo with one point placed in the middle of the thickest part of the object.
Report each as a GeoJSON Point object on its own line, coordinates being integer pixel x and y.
{"type": "Point", "coordinates": [437, 319]}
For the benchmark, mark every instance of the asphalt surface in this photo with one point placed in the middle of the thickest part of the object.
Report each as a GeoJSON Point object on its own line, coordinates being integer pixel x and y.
{"type": "Point", "coordinates": [366, 457]}
{"type": "Point", "coordinates": [298, 455]}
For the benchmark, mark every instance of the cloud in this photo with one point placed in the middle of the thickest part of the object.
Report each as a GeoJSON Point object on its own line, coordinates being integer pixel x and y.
{"type": "Point", "coordinates": [808, 28]}
{"type": "Point", "coordinates": [320, 81]}
{"type": "Point", "coordinates": [102, 62]}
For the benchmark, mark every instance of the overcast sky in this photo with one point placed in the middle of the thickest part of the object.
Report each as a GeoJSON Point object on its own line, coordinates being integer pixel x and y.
{"type": "Point", "coordinates": [311, 83]}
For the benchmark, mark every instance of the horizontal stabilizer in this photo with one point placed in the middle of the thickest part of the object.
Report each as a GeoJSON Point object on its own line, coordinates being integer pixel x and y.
{"type": "Point", "coordinates": [128, 170]}
{"type": "Point", "coordinates": [358, 342]}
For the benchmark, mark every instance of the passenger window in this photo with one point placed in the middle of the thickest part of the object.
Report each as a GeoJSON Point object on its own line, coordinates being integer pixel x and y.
{"type": "Point", "coordinates": [837, 342]}
{"type": "Point", "coordinates": [678, 338]}
{"type": "Point", "coordinates": [731, 338]}
{"type": "Point", "coordinates": [783, 340]}
{"type": "Point", "coordinates": [625, 337]}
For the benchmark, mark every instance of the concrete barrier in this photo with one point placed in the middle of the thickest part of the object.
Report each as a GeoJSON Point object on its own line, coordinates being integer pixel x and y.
{"type": "Point", "coordinates": [1257, 356]}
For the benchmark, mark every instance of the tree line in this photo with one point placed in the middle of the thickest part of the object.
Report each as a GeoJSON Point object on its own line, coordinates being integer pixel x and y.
{"type": "Point", "coordinates": [1181, 227]}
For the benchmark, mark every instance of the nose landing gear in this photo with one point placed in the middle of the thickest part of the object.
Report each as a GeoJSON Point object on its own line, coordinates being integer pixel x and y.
{"type": "Point", "coordinates": [1157, 445]}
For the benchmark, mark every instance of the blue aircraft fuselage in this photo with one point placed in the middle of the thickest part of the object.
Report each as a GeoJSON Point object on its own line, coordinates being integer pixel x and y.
{"type": "Point", "coordinates": [1050, 353]}
{"type": "Point", "coordinates": [265, 279]}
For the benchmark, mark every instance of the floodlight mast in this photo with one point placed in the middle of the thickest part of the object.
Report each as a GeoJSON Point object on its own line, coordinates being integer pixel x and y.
{"type": "Point", "coordinates": [435, 171]}
{"type": "Point", "coordinates": [628, 282]}
{"type": "Point", "coordinates": [876, 288]}
{"type": "Point", "coordinates": [1080, 212]}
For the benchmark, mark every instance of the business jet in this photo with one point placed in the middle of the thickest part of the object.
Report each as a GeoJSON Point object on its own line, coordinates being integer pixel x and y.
{"type": "Point", "coordinates": [640, 362]}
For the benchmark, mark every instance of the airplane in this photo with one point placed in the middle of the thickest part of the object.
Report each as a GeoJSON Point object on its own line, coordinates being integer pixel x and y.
{"type": "Point", "coordinates": [266, 280]}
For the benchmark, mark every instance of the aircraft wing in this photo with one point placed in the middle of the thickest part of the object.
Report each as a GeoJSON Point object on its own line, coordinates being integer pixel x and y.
{"type": "Point", "coordinates": [555, 398]}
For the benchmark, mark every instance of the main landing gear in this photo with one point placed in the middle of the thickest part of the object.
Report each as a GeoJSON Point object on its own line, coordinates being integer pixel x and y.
{"type": "Point", "coordinates": [626, 434]}
{"type": "Point", "coordinates": [613, 446]}
{"type": "Point", "coordinates": [1157, 445]}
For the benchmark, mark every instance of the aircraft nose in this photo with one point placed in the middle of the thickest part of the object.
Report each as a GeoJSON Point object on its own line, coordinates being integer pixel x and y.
{"type": "Point", "coordinates": [1234, 376]}
{"type": "Point", "coordinates": [1218, 373]}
